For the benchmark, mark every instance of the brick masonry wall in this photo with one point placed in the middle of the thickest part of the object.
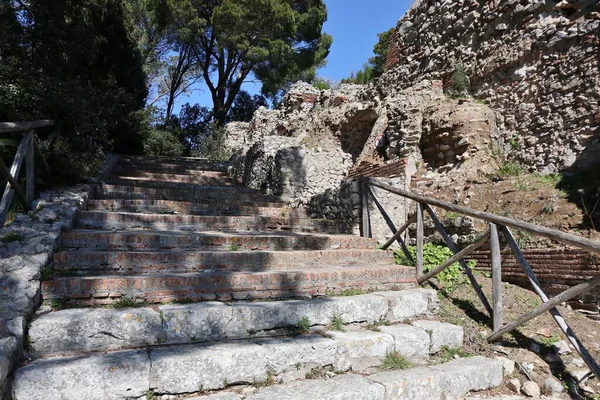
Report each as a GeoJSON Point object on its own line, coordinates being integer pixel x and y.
{"type": "Point", "coordinates": [557, 269]}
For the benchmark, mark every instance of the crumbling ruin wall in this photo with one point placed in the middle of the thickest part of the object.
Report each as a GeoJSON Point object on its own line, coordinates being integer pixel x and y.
{"type": "Point", "coordinates": [535, 62]}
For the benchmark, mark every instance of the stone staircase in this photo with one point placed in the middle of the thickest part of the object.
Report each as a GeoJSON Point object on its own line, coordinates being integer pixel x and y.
{"type": "Point", "coordinates": [187, 258]}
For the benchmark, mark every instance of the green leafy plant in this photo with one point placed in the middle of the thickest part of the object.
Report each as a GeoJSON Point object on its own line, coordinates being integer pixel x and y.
{"type": "Point", "coordinates": [460, 83]}
{"type": "Point", "coordinates": [336, 322]}
{"type": "Point", "coordinates": [394, 361]}
{"type": "Point", "coordinates": [11, 237]}
{"type": "Point", "coordinates": [452, 215]}
{"type": "Point", "coordinates": [125, 303]}
{"type": "Point", "coordinates": [434, 256]}
{"type": "Point", "coordinates": [449, 353]}
{"type": "Point", "coordinates": [303, 325]}
{"type": "Point", "coordinates": [510, 169]}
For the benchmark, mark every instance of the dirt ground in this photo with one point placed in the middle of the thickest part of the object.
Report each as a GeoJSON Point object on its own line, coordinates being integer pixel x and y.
{"type": "Point", "coordinates": [532, 345]}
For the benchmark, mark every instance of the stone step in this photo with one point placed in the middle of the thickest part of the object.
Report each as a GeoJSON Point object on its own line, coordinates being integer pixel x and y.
{"type": "Point", "coordinates": [199, 194]}
{"type": "Point", "coordinates": [212, 206]}
{"type": "Point", "coordinates": [117, 220]}
{"type": "Point", "coordinates": [225, 286]}
{"type": "Point", "coordinates": [137, 185]}
{"type": "Point", "coordinates": [188, 162]}
{"type": "Point", "coordinates": [148, 240]}
{"type": "Point", "coordinates": [203, 178]}
{"type": "Point", "coordinates": [180, 261]}
{"type": "Point", "coordinates": [167, 168]}
{"type": "Point", "coordinates": [188, 369]}
{"type": "Point", "coordinates": [92, 330]}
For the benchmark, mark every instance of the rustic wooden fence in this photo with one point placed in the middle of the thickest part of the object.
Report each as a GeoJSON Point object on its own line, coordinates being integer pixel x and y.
{"type": "Point", "coordinates": [496, 224]}
{"type": "Point", "coordinates": [26, 151]}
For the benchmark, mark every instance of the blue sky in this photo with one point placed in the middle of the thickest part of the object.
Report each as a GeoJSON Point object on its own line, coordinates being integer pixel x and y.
{"type": "Point", "coordinates": [354, 25]}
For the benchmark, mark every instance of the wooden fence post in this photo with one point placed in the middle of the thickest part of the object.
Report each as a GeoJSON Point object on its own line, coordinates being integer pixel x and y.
{"type": "Point", "coordinates": [30, 166]}
{"type": "Point", "coordinates": [420, 238]}
{"type": "Point", "coordinates": [366, 221]}
{"type": "Point", "coordinates": [496, 277]}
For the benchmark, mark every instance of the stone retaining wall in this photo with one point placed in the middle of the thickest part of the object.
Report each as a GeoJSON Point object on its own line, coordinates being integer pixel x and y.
{"type": "Point", "coordinates": [535, 62]}
{"type": "Point", "coordinates": [557, 269]}
{"type": "Point", "coordinates": [26, 248]}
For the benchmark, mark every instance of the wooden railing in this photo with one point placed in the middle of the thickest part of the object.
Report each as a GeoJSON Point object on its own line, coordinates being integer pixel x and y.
{"type": "Point", "coordinates": [497, 224]}
{"type": "Point", "coordinates": [26, 151]}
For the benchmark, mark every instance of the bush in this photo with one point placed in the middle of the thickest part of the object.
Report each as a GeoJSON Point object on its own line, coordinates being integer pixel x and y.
{"type": "Point", "coordinates": [460, 82]}
{"type": "Point", "coordinates": [162, 143]}
{"type": "Point", "coordinates": [433, 257]}
{"type": "Point", "coordinates": [71, 165]}
{"type": "Point", "coordinates": [214, 147]}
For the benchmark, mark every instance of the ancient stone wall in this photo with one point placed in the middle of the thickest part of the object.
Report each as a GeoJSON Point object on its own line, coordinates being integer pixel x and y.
{"type": "Point", "coordinates": [535, 62]}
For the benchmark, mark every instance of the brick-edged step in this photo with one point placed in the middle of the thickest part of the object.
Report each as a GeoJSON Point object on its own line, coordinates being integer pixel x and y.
{"type": "Point", "coordinates": [181, 207]}
{"type": "Point", "coordinates": [224, 286]}
{"type": "Point", "coordinates": [178, 261]}
{"type": "Point", "coordinates": [200, 178]}
{"type": "Point", "coordinates": [91, 330]}
{"type": "Point", "coordinates": [199, 368]}
{"type": "Point", "coordinates": [192, 163]}
{"type": "Point", "coordinates": [212, 207]}
{"type": "Point", "coordinates": [233, 241]}
{"type": "Point", "coordinates": [220, 185]}
{"type": "Point", "coordinates": [198, 193]}
{"type": "Point", "coordinates": [121, 220]}
{"type": "Point", "coordinates": [182, 169]}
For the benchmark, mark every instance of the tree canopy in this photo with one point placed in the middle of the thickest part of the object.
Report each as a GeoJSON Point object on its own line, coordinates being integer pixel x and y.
{"type": "Point", "coordinates": [376, 65]}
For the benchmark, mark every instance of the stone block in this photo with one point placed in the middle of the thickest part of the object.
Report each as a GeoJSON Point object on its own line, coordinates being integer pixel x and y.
{"type": "Point", "coordinates": [343, 387]}
{"type": "Point", "coordinates": [409, 341]}
{"type": "Point", "coordinates": [363, 349]}
{"type": "Point", "coordinates": [442, 334]}
{"type": "Point", "coordinates": [188, 369]}
{"type": "Point", "coordinates": [406, 304]}
{"type": "Point", "coordinates": [81, 330]}
{"type": "Point", "coordinates": [8, 355]}
{"type": "Point", "coordinates": [414, 383]}
{"type": "Point", "coordinates": [217, 396]}
{"type": "Point", "coordinates": [113, 376]}
{"type": "Point", "coordinates": [199, 322]}
{"type": "Point", "coordinates": [461, 376]}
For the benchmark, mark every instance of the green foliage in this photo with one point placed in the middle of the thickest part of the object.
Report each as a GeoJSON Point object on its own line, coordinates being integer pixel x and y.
{"type": "Point", "coordinates": [459, 86]}
{"type": "Point", "coordinates": [71, 163]}
{"type": "Point", "coordinates": [362, 77]}
{"type": "Point", "coordinates": [394, 361]}
{"type": "Point", "coordinates": [510, 169]}
{"type": "Point", "coordinates": [73, 61]}
{"type": "Point", "coordinates": [303, 325]}
{"type": "Point", "coordinates": [55, 304]}
{"type": "Point", "coordinates": [214, 147]}
{"type": "Point", "coordinates": [433, 257]}
{"type": "Point", "coordinates": [245, 105]}
{"type": "Point", "coordinates": [162, 143]}
{"type": "Point", "coordinates": [583, 189]}
{"type": "Point", "coordinates": [321, 83]}
{"type": "Point", "coordinates": [336, 323]}
{"type": "Point", "coordinates": [549, 341]}
{"type": "Point", "coordinates": [125, 303]}
{"type": "Point", "coordinates": [380, 51]}
{"type": "Point", "coordinates": [452, 215]}
{"type": "Point", "coordinates": [450, 353]}
{"type": "Point", "coordinates": [11, 237]}
{"type": "Point", "coordinates": [47, 274]}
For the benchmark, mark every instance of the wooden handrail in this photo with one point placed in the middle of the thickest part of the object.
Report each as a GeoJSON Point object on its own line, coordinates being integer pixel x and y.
{"type": "Point", "coordinates": [550, 233]}
{"type": "Point", "coordinates": [6, 127]}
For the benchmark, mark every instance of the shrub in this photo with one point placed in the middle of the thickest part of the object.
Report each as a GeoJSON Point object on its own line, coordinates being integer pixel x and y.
{"type": "Point", "coordinates": [70, 165]}
{"type": "Point", "coordinates": [214, 147]}
{"type": "Point", "coordinates": [162, 143]}
{"type": "Point", "coordinates": [460, 82]}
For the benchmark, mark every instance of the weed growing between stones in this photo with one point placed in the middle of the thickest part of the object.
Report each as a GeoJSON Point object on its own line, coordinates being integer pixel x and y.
{"type": "Point", "coordinates": [336, 323]}
{"type": "Point", "coordinates": [268, 381]}
{"type": "Point", "coordinates": [447, 353]}
{"type": "Point", "coordinates": [510, 169]}
{"type": "Point", "coordinates": [125, 303]}
{"type": "Point", "coordinates": [303, 325]}
{"type": "Point", "coordinates": [47, 274]}
{"type": "Point", "coordinates": [374, 326]}
{"type": "Point", "coordinates": [394, 361]}
{"type": "Point", "coordinates": [55, 304]}
{"type": "Point", "coordinates": [11, 237]}
{"type": "Point", "coordinates": [320, 372]}
{"type": "Point", "coordinates": [150, 395]}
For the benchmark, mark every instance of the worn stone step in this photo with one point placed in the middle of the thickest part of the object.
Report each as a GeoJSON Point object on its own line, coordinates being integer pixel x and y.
{"type": "Point", "coordinates": [201, 178]}
{"type": "Point", "coordinates": [92, 330]}
{"type": "Point", "coordinates": [189, 162]}
{"type": "Point", "coordinates": [178, 261]}
{"type": "Point", "coordinates": [224, 286]}
{"type": "Point", "coordinates": [199, 368]}
{"type": "Point", "coordinates": [167, 168]}
{"type": "Point", "coordinates": [213, 206]}
{"type": "Point", "coordinates": [117, 220]}
{"type": "Point", "coordinates": [199, 193]}
{"type": "Point", "coordinates": [135, 186]}
{"type": "Point", "coordinates": [148, 240]}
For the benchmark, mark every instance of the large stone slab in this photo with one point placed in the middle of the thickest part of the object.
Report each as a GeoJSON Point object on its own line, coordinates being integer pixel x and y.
{"type": "Point", "coordinates": [409, 341]}
{"type": "Point", "coordinates": [451, 380]}
{"type": "Point", "coordinates": [8, 355]}
{"type": "Point", "coordinates": [113, 376]}
{"type": "Point", "coordinates": [442, 334]}
{"type": "Point", "coordinates": [198, 322]}
{"type": "Point", "coordinates": [188, 369]}
{"type": "Point", "coordinates": [343, 387]}
{"type": "Point", "coordinates": [84, 330]}
{"type": "Point", "coordinates": [409, 303]}
{"type": "Point", "coordinates": [363, 349]}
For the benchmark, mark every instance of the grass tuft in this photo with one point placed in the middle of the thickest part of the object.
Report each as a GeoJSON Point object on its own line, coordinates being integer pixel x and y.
{"type": "Point", "coordinates": [394, 361]}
